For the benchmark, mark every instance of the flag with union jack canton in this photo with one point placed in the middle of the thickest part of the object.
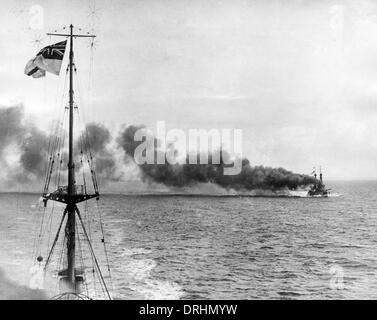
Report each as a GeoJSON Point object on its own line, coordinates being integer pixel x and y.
{"type": "Point", "coordinates": [48, 59]}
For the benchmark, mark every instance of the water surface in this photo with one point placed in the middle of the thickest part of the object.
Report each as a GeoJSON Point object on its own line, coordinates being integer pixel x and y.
{"type": "Point", "coordinates": [178, 247]}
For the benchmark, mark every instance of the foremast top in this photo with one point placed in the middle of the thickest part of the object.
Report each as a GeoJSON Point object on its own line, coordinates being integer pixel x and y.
{"type": "Point", "coordinates": [70, 195]}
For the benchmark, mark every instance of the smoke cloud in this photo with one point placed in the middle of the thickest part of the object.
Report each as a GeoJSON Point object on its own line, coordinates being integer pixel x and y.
{"type": "Point", "coordinates": [33, 152]}
{"type": "Point", "coordinates": [100, 139]}
{"type": "Point", "coordinates": [24, 153]}
{"type": "Point", "coordinates": [17, 137]}
{"type": "Point", "coordinates": [10, 125]}
{"type": "Point", "coordinates": [182, 175]}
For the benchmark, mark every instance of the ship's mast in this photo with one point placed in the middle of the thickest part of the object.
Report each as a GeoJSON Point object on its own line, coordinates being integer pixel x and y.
{"type": "Point", "coordinates": [320, 174]}
{"type": "Point", "coordinates": [71, 198]}
{"type": "Point", "coordinates": [71, 166]}
{"type": "Point", "coordinates": [71, 195]}
{"type": "Point", "coordinates": [71, 223]}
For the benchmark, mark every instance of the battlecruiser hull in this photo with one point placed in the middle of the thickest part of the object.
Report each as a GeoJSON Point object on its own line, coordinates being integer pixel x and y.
{"type": "Point", "coordinates": [318, 193]}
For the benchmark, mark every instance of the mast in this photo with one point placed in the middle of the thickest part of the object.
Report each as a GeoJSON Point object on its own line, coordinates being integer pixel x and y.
{"type": "Point", "coordinates": [72, 197]}
{"type": "Point", "coordinates": [320, 174]}
{"type": "Point", "coordinates": [71, 223]}
{"type": "Point", "coordinates": [71, 166]}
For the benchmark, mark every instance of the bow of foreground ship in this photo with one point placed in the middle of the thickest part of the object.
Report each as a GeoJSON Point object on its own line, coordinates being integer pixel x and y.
{"type": "Point", "coordinates": [65, 245]}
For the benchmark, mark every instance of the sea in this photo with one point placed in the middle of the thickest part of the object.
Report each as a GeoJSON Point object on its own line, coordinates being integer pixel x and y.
{"type": "Point", "coordinates": [202, 246]}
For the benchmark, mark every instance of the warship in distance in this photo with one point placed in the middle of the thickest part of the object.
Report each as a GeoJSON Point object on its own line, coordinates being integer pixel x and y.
{"type": "Point", "coordinates": [75, 267]}
{"type": "Point", "coordinates": [318, 189]}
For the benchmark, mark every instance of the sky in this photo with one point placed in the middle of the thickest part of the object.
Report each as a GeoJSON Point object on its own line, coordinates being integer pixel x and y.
{"type": "Point", "coordinates": [299, 78]}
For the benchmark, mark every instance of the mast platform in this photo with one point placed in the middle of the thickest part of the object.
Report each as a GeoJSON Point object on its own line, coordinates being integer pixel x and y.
{"type": "Point", "coordinates": [62, 195]}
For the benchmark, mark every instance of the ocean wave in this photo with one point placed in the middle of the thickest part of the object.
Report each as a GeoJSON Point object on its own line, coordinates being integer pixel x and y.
{"type": "Point", "coordinates": [135, 251]}
{"type": "Point", "coordinates": [139, 278]}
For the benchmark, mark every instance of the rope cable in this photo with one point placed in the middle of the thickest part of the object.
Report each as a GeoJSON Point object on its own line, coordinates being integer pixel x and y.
{"type": "Point", "coordinates": [93, 254]}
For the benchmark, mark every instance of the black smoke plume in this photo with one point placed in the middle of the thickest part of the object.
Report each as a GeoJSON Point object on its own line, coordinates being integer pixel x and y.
{"type": "Point", "coordinates": [94, 144]}
{"type": "Point", "coordinates": [29, 147]}
{"type": "Point", "coordinates": [99, 139]}
{"type": "Point", "coordinates": [10, 125]}
{"type": "Point", "coordinates": [26, 140]}
{"type": "Point", "coordinates": [34, 151]}
{"type": "Point", "coordinates": [182, 175]}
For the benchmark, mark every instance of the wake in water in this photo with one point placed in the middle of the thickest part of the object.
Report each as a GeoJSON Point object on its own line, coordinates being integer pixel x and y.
{"type": "Point", "coordinates": [209, 189]}
{"type": "Point", "coordinates": [304, 194]}
{"type": "Point", "coordinates": [139, 274]}
{"type": "Point", "coordinates": [10, 290]}
{"type": "Point", "coordinates": [36, 277]}
{"type": "Point", "coordinates": [138, 281]}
